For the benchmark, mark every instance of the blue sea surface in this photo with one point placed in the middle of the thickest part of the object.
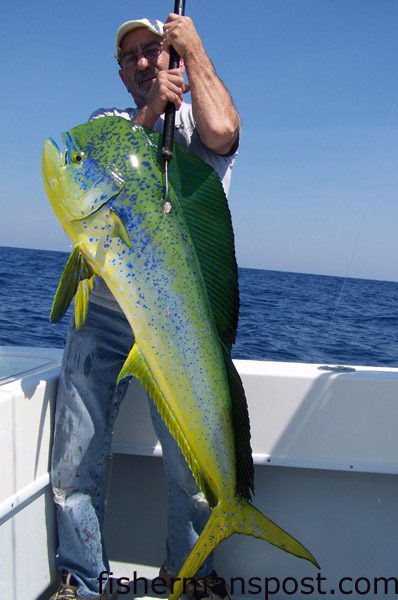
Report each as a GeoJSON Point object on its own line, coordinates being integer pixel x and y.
{"type": "Point", "coordinates": [283, 316]}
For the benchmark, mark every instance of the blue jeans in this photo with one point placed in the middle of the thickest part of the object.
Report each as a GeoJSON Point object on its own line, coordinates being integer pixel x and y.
{"type": "Point", "coordinates": [87, 404]}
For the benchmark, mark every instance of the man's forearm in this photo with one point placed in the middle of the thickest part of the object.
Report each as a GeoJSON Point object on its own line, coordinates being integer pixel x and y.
{"type": "Point", "coordinates": [216, 117]}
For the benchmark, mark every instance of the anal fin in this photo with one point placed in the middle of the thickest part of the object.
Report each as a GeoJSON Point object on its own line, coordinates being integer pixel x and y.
{"type": "Point", "coordinates": [136, 366]}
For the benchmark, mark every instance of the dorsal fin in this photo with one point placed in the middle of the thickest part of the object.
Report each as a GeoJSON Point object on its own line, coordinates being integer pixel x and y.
{"type": "Point", "coordinates": [200, 195]}
{"type": "Point", "coordinates": [241, 423]}
{"type": "Point", "coordinates": [204, 204]}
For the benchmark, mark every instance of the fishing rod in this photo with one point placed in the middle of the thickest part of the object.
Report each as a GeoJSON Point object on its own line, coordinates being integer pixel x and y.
{"type": "Point", "coordinates": [169, 117]}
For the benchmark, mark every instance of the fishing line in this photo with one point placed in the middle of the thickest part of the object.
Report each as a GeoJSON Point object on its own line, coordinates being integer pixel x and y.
{"type": "Point", "coordinates": [348, 270]}
{"type": "Point", "coordinates": [331, 323]}
{"type": "Point", "coordinates": [394, 106]}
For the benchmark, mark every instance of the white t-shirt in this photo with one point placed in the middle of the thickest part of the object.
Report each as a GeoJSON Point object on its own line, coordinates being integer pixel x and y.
{"type": "Point", "coordinates": [185, 134]}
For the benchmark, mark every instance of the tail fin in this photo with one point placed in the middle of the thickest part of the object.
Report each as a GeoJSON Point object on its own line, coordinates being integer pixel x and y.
{"type": "Point", "coordinates": [238, 517]}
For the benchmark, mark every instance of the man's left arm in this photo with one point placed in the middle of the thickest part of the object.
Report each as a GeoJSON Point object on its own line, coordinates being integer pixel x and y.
{"type": "Point", "coordinates": [216, 118]}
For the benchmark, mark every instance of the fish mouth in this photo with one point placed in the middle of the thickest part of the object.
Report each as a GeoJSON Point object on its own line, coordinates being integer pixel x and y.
{"type": "Point", "coordinates": [52, 159]}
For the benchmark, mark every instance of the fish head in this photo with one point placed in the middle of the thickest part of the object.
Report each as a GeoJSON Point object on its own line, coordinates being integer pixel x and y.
{"type": "Point", "coordinates": [96, 160]}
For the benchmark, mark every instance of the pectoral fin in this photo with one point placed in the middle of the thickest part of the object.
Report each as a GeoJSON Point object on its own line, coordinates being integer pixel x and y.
{"type": "Point", "coordinates": [77, 270]}
{"type": "Point", "coordinates": [136, 366]}
{"type": "Point", "coordinates": [118, 228]}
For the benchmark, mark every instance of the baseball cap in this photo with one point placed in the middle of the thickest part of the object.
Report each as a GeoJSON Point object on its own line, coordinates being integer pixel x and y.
{"type": "Point", "coordinates": [152, 24]}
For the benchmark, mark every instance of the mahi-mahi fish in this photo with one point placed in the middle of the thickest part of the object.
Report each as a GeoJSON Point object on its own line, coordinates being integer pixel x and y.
{"type": "Point", "coordinates": [174, 276]}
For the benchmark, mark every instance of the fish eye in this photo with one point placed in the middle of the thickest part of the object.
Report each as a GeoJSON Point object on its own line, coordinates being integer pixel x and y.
{"type": "Point", "coordinates": [77, 157]}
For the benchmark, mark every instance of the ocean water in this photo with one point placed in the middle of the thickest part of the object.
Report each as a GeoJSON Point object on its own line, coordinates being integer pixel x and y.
{"type": "Point", "coordinates": [283, 316]}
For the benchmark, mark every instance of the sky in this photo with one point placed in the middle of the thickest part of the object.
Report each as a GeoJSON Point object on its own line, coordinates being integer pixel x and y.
{"type": "Point", "coordinates": [315, 184]}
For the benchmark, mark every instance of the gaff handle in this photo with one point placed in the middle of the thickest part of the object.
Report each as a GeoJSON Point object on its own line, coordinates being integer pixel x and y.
{"type": "Point", "coordinates": [169, 115]}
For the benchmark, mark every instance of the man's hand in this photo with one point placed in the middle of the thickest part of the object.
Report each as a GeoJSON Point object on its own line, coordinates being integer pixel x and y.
{"type": "Point", "coordinates": [169, 87]}
{"type": "Point", "coordinates": [180, 33]}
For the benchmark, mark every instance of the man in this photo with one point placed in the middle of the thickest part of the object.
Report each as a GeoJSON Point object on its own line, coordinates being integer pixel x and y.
{"type": "Point", "coordinates": [88, 399]}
